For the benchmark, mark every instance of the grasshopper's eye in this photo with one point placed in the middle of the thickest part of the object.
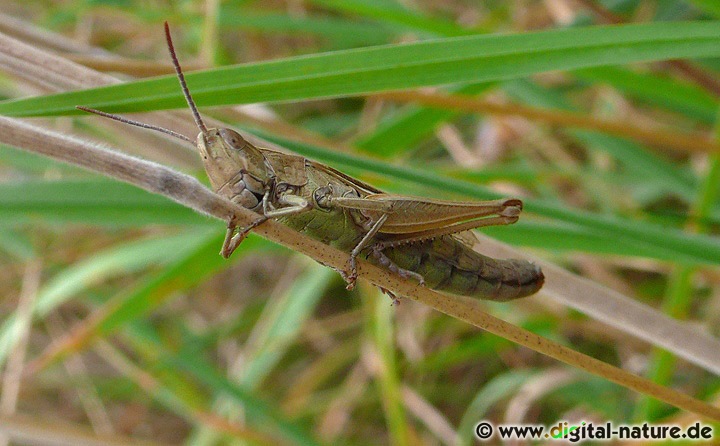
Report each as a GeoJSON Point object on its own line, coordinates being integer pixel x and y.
{"type": "Point", "coordinates": [232, 138]}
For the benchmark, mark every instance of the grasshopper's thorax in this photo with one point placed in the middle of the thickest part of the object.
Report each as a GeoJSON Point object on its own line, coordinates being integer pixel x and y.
{"type": "Point", "coordinates": [237, 169]}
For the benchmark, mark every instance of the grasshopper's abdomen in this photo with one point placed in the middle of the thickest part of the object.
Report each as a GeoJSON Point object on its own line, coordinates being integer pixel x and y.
{"type": "Point", "coordinates": [448, 265]}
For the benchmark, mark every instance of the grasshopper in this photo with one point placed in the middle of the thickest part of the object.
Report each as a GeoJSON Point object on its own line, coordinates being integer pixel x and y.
{"type": "Point", "coordinates": [425, 239]}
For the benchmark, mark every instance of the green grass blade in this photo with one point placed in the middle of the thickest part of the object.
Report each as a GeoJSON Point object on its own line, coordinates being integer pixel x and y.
{"type": "Point", "coordinates": [96, 201]}
{"type": "Point", "coordinates": [367, 70]}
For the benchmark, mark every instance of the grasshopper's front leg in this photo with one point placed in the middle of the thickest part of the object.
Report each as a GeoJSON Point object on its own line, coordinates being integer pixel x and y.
{"type": "Point", "coordinates": [294, 204]}
{"type": "Point", "coordinates": [233, 240]}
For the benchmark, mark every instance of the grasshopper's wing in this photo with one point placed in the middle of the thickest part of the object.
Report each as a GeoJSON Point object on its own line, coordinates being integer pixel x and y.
{"type": "Point", "coordinates": [362, 188]}
{"type": "Point", "coordinates": [288, 168]}
{"type": "Point", "coordinates": [410, 214]}
{"type": "Point", "coordinates": [415, 215]}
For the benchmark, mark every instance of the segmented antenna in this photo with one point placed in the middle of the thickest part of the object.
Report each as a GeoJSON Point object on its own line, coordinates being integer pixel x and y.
{"type": "Point", "coordinates": [135, 123]}
{"type": "Point", "coordinates": [183, 84]}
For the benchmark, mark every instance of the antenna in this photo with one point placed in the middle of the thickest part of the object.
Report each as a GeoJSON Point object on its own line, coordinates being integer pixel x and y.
{"type": "Point", "coordinates": [183, 84]}
{"type": "Point", "coordinates": [186, 93]}
{"type": "Point", "coordinates": [135, 123]}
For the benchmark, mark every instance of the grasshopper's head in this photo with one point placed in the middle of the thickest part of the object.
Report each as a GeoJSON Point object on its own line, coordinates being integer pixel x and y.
{"type": "Point", "coordinates": [236, 168]}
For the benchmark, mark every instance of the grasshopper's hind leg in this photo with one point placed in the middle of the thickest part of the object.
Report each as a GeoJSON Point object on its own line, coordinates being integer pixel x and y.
{"type": "Point", "coordinates": [377, 251]}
